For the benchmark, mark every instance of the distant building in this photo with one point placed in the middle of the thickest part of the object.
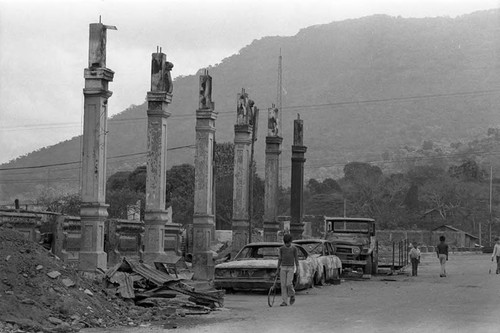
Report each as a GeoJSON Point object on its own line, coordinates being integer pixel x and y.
{"type": "Point", "coordinates": [454, 237]}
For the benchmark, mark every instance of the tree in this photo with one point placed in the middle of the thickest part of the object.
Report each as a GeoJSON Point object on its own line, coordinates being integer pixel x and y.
{"type": "Point", "coordinates": [180, 193]}
{"type": "Point", "coordinates": [224, 176]}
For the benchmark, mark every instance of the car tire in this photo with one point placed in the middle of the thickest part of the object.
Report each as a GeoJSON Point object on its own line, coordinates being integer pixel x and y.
{"type": "Point", "coordinates": [320, 279]}
{"type": "Point", "coordinates": [375, 268]}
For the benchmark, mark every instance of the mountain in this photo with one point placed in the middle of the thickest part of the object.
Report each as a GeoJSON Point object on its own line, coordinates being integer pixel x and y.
{"type": "Point", "coordinates": [365, 88]}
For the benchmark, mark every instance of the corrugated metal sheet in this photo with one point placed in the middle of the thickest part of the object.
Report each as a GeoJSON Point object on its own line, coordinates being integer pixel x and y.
{"type": "Point", "coordinates": [149, 273]}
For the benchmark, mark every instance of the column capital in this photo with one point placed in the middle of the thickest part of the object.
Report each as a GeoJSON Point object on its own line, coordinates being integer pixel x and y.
{"type": "Point", "coordinates": [97, 92]}
{"type": "Point", "coordinates": [206, 114]}
{"type": "Point", "coordinates": [274, 139]}
{"type": "Point", "coordinates": [159, 96]}
{"type": "Point", "coordinates": [158, 113]}
{"type": "Point", "coordinates": [299, 149]}
{"type": "Point", "coordinates": [243, 128]}
{"type": "Point", "coordinates": [99, 73]}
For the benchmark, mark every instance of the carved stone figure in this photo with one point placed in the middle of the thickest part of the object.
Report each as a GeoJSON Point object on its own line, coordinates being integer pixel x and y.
{"type": "Point", "coordinates": [298, 131]}
{"type": "Point", "coordinates": [206, 91]}
{"type": "Point", "coordinates": [272, 122]}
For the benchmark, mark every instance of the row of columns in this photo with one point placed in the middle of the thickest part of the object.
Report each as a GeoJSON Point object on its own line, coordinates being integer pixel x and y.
{"type": "Point", "coordinates": [94, 210]}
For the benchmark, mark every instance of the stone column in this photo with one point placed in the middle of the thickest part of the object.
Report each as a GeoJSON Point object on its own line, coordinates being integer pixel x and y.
{"type": "Point", "coordinates": [272, 176]}
{"type": "Point", "coordinates": [93, 210]}
{"type": "Point", "coordinates": [203, 218]}
{"type": "Point", "coordinates": [242, 144]}
{"type": "Point", "coordinates": [155, 214]}
{"type": "Point", "coordinates": [297, 188]}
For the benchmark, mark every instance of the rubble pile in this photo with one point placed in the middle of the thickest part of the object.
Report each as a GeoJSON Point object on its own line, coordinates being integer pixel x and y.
{"type": "Point", "coordinates": [39, 293]}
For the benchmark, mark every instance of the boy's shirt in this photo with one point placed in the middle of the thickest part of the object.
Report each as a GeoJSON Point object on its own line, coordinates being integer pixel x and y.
{"type": "Point", "coordinates": [414, 253]}
{"type": "Point", "coordinates": [442, 248]}
{"type": "Point", "coordinates": [288, 255]}
{"type": "Point", "coordinates": [496, 251]}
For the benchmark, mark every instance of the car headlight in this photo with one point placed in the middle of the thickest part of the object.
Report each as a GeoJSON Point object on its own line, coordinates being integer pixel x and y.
{"type": "Point", "coordinates": [356, 250]}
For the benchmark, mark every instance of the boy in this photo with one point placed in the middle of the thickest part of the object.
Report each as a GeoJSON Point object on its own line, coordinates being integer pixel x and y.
{"type": "Point", "coordinates": [288, 259]}
{"type": "Point", "coordinates": [415, 259]}
{"type": "Point", "coordinates": [496, 253]}
{"type": "Point", "coordinates": [442, 254]}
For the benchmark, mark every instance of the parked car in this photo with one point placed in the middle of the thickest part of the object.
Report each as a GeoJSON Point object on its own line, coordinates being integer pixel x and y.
{"type": "Point", "coordinates": [329, 266]}
{"type": "Point", "coordinates": [255, 266]}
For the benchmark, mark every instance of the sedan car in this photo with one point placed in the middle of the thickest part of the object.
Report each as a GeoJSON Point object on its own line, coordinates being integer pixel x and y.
{"type": "Point", "coordinates": [329, 266]}
{"type": "Point", "coordinates": [255, 266]}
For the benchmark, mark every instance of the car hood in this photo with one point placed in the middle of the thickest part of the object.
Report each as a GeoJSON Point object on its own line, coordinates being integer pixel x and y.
{"type": "Point", "coordinates": [257, 263]}
{"type": "Point", "coordinates": [349, 239]}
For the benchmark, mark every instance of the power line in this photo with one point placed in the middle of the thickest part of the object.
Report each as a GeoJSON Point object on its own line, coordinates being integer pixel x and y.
{"type": "Point", "coordinates": [77, 162]}
{"type": "Point", "coordinates": [112, 121]}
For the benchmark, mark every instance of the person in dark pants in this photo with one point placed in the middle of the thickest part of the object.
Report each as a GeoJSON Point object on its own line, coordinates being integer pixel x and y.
{"type": "Point", "coordinates": [442, 254]}
{"type": "Point", "coordinates": [415, 259]}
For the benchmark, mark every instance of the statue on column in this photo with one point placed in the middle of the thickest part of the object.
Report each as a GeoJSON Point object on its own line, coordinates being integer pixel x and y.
{"type": "Point", "coordinates": [244, 111]}
{"type": "Point", "coordinates": [272, 122]}
{"type": "Point", "coordinates": [206, 91]}
{"type": "Point", "coordinates": [298, 131]}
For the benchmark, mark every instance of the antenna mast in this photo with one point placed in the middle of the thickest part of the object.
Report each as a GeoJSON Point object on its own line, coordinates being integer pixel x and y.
{"type": "Point", "coordinates": [279, 102]}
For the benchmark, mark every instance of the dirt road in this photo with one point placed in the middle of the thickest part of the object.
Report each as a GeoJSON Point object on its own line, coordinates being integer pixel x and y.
{"type": "Point", "coordinates": [468, 300]}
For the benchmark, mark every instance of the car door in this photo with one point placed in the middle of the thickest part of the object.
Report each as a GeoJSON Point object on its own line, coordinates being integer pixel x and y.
{"type": "Point", "coordinates": [306, 271]}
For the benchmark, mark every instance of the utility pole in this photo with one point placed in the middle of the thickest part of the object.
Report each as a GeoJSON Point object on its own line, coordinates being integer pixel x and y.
{"type": "Point", "coordinates": [491, 196]}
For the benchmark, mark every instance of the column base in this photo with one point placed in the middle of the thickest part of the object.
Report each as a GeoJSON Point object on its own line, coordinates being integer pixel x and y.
{"type": "Point", "coordinates": [296, 230]}
{"type": "Point", "coordinates": [271, 231]}
{"type": "Point", "coordinates": [203, 266]}
{"type": "Point", "coordinates": [240, 236]}
{"type": "Point", "coordinates": [154, 236]}
{"type": "Point", "coordinates": [91, 261]}
{"type": "Point", "coordinates": [172, 238]}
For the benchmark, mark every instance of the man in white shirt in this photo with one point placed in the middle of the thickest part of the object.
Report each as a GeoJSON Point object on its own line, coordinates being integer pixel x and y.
{"type": "Point", "coordinates": [496, 254]}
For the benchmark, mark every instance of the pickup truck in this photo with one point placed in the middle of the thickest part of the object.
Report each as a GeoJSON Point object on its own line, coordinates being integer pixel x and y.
{"type": "Point", "coordinates": [355, 242]}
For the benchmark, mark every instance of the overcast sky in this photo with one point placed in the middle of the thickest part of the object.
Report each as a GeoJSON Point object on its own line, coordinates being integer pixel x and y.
{"type": "Point", "coordinates": [44, 49]}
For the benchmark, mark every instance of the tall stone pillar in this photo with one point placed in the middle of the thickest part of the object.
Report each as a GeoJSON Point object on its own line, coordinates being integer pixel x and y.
{"type": "Point", "coordinates": [272, 176]}
{"type": "Point", "coordinates": [297, 188]}
{"type": "Point", "coordinates": [203, 218]}
{"type": "Point", "coordinates": [93, 210]}
{"type": "Point", "coordinates": [155, 214]}
{"type": "Point", "coordinates": [242, 145]}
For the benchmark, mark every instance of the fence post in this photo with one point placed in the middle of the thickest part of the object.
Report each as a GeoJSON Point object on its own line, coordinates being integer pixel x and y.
{"type": "Point", "coordinates": [58, 236]}
{"type": "Point", "coordinates": [393, 254]}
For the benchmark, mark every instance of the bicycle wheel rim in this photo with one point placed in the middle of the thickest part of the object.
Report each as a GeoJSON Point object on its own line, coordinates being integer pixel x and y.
{"type": "Point", "coordinates": [271, 295]}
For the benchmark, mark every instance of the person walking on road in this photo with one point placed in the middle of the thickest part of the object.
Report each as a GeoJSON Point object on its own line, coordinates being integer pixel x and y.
{"type": "Point", "coordinates": [442, 254]}
{"type": "Point", "coordinates": [288, 261]}
{"type": "Point", "coordinates": [496, 253]}
{"type": "Point", "coordinates": [415, 259]}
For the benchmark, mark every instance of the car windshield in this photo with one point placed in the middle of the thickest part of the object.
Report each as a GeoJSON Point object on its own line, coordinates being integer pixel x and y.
{"type": "Point", "coordinates": [348, 226]}
{"type": "Point", "coordinates": [313, 248]}
{"type": "Point", "coordinates": [258, 252]}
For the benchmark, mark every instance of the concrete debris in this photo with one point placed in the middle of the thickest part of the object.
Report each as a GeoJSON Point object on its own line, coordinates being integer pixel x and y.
{"type": "Point", "coordinates": [55, 321]}
{"type": "Point", "coordinates": [54, 274]}
{"type": "Point", "coordinates": [68, 282]}
{"type": "Point", "coordinates": [145, 284]}
{"type": "Point", "coordinates": [7, 258]}
{"type": "Point", "coordinates": [88, 292]}
{"type": "Point", "coordinates": [39, 267]}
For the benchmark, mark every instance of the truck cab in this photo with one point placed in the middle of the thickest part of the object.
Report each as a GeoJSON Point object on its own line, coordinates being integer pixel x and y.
{"type": "Point", "coordinates": [355, 242]}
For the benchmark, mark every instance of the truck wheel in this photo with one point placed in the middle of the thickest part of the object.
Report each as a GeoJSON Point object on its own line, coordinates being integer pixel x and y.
{"type": "Point", "coordinates": [368, 267]}
{"type": "Point", "coordinates": [375, 268]}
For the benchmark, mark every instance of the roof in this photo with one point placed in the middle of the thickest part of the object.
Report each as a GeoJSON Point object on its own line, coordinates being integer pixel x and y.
{"type": "Point", "coordinates": [361, 219]}
{"type": "Point", "coordinates": [265, 244]}
{"type": "Point", "coordinates": [455, 229]}
{"type": "Point", "coordinates": [313, 240]}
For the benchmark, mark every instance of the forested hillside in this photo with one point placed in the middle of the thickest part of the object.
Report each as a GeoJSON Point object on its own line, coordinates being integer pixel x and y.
{"type": "Point", "coordinates": [392, 90]}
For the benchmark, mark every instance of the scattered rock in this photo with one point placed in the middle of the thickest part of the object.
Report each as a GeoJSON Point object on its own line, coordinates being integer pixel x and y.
{"type": "Point", "coordinates": [27, 301]}
{"type": "Point", "coordinates": [7, 258]}
{"type": "Point", "coordinates": [88, 292]}
{"type": "Point", "coordinates": [39, 267]}
{"type": "Point", "coordinates": [55, 321]}
{"type": "Point", "coordinates": [9, 292]}
{"type": "Point", "coordinates": [67, 283]}
{"type": "Point", "coordinates": [54, 274]}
